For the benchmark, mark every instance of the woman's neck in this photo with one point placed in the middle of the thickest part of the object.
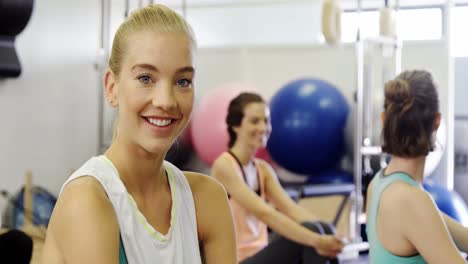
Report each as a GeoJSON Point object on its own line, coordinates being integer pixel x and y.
{"type": "Point", "coordinates": [244, 153]}
{"type": "Point", "coordinates": [142, 173]}
{"type": "Point", "coordinates": [414, 167]}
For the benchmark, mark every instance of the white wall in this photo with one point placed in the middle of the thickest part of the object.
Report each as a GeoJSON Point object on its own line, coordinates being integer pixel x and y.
{"type": "Point", "coordinates": [49, 121]}
{"type": "Point", "coordinates": [270, 67]}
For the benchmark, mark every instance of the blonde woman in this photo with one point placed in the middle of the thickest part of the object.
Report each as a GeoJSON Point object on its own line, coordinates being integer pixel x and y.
{"type": "Point", "coordinates": [129, 205]}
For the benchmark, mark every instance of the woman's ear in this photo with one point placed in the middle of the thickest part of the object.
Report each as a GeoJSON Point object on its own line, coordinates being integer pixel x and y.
{"type": "Point", "coordinates": [437, 122]}
{"type": "Point", "coordinates": [235, 129]}
{"type": "Point", "coordinates": [382, 117]}
{"type": "Point", "coordinates": [110, 89]}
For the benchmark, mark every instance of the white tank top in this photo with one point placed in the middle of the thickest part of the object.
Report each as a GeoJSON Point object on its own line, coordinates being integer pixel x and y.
{"type": "Point", "coordinates": [142, 243]}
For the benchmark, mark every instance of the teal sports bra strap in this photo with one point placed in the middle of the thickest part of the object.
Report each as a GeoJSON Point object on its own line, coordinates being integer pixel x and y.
{"type": "Point", "coordinates": [383, 182]}
{"type": "Point", "coordinates": [386, 180]}
{"type": "Point", "coordinates": [122, 255]}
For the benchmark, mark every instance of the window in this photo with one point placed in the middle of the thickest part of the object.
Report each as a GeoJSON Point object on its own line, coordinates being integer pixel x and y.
{"type": "Point", "coordinates": [420, 24]}
{"type": "Point", "coordinates": [413, 24]}
{"type": "Point", "coordinates": [349, 25]}
{"type": "Point", "coordinates": [459, 36]}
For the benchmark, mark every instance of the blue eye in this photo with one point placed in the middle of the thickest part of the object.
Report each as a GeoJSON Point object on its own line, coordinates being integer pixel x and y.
{"type": "Point", "coordinates": [184, 82]}
{"type": "Point", "coordinates": [145, 79]}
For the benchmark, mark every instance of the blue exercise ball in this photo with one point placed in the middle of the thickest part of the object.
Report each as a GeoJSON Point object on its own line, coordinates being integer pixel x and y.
{"type": "Point", "coordinates": [308, 117]}
{"type": "Point", "coordinates": [331, 177]}
{"type": "Point", "coordinates": [43, 205]}
{"type": "Point", "coordinates": [448, 202]}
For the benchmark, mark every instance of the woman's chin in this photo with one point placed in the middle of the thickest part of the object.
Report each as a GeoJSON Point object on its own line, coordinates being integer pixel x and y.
{"type": "Point", "coordinates": [156, 148]}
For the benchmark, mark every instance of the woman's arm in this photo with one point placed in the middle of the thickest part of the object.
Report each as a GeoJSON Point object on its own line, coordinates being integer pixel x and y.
{"type": "Point", "coordinates": [223, 171]}
{"type": "Point", "coordinates": [281, 200]}
{"type": "Point", "coordinates": [214, 220]}
{"type": "Point", "coordinates": [458, 232]}
{"type": "Point", "coordinates": [424, 227]}
{"type": "Point", "coordinates": [83, 226]}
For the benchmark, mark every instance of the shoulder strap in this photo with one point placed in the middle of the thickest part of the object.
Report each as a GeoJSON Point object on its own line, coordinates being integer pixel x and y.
{"type": "Point", "coordinates": [382, 182]}
{"type": "Point", "coordinates": [243, 172]}
{"type": "Point", "coordinates": [386, 180]}
{"type": "Point", "coordinates": [261, 176]}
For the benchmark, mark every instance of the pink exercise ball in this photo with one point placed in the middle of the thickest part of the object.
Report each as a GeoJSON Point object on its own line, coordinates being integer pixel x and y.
{"type": "Point", "coordinates": [209, 131]}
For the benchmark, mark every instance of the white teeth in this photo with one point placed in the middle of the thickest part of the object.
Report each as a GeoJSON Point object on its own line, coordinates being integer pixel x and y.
{"type": "Point", "coordinates": [159, 122]}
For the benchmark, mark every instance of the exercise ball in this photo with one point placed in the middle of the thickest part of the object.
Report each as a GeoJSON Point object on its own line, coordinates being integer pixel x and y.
{"type": "Point", "coordinates": [43, 205]}
{"type": "Point", "coordinates": [331, 177]}
{"type": "Point", "coordinates": [209, 130]}
{"type": "Point", "coordinates": [307, 118]}
{"type": "Point", "coordinates": [448, 202]}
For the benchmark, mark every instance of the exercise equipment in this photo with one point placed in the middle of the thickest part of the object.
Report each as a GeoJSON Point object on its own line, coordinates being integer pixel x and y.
{"type": "Point", "coordinates": [387, 21]}
{"type": "Point", "coordinates": [16, 246]}
{"type": "Point", "coordinates": [448, 202]}
{"type": "Point", "coordinates": [14, 16]}
{"type": "Point", "coordinates": [307, 118]}
{"type": "Point", "coordinates": [377, 61]}
{"type": "Point", "coordinates": [373, 124]}
{"type": "Point", "coordinates": [331, 21]}
{"type": "Point", "coordinates": [31, 206]}
{"type": "Point", "coordinates": [331, 177]}
{"type": "Point", "coordinates": [43, 206]}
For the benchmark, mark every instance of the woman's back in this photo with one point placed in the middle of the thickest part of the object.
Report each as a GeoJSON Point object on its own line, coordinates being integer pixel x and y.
{"type": "Point", "coordinates": [387, 243]}
{"type": "Point", "coordinates": [403, 220]}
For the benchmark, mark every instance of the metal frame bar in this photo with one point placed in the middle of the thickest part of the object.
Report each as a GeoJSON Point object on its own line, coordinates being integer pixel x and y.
{"type": "Point", "coordinates": [449, 174]}
{"type": "Point", "coordinates": [363, 145]}
{"type": "Point", "coordinates": [103, 54]}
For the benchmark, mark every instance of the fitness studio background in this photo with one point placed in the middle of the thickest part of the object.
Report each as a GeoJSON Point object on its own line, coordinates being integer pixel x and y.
{"type": "Point", "coordinates": [51, 117]}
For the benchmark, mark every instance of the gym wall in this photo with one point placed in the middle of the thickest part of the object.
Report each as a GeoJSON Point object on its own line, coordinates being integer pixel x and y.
{"type": "Point", "coordinates": [49, 114]}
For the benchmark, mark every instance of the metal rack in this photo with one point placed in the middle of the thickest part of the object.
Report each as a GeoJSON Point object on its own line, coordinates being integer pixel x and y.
{"type": "Point", "coordinates": [382, 54]}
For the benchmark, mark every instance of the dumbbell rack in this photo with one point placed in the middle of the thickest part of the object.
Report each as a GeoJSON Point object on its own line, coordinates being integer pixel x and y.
{"type": "Point", "coordinates": [389, 50]}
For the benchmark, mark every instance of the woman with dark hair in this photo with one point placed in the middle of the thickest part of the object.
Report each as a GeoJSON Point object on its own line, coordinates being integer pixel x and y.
{"type": "Point", "coordinates": [403, 223]}
{"type": "Point", "coordinates": [251, 182]}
